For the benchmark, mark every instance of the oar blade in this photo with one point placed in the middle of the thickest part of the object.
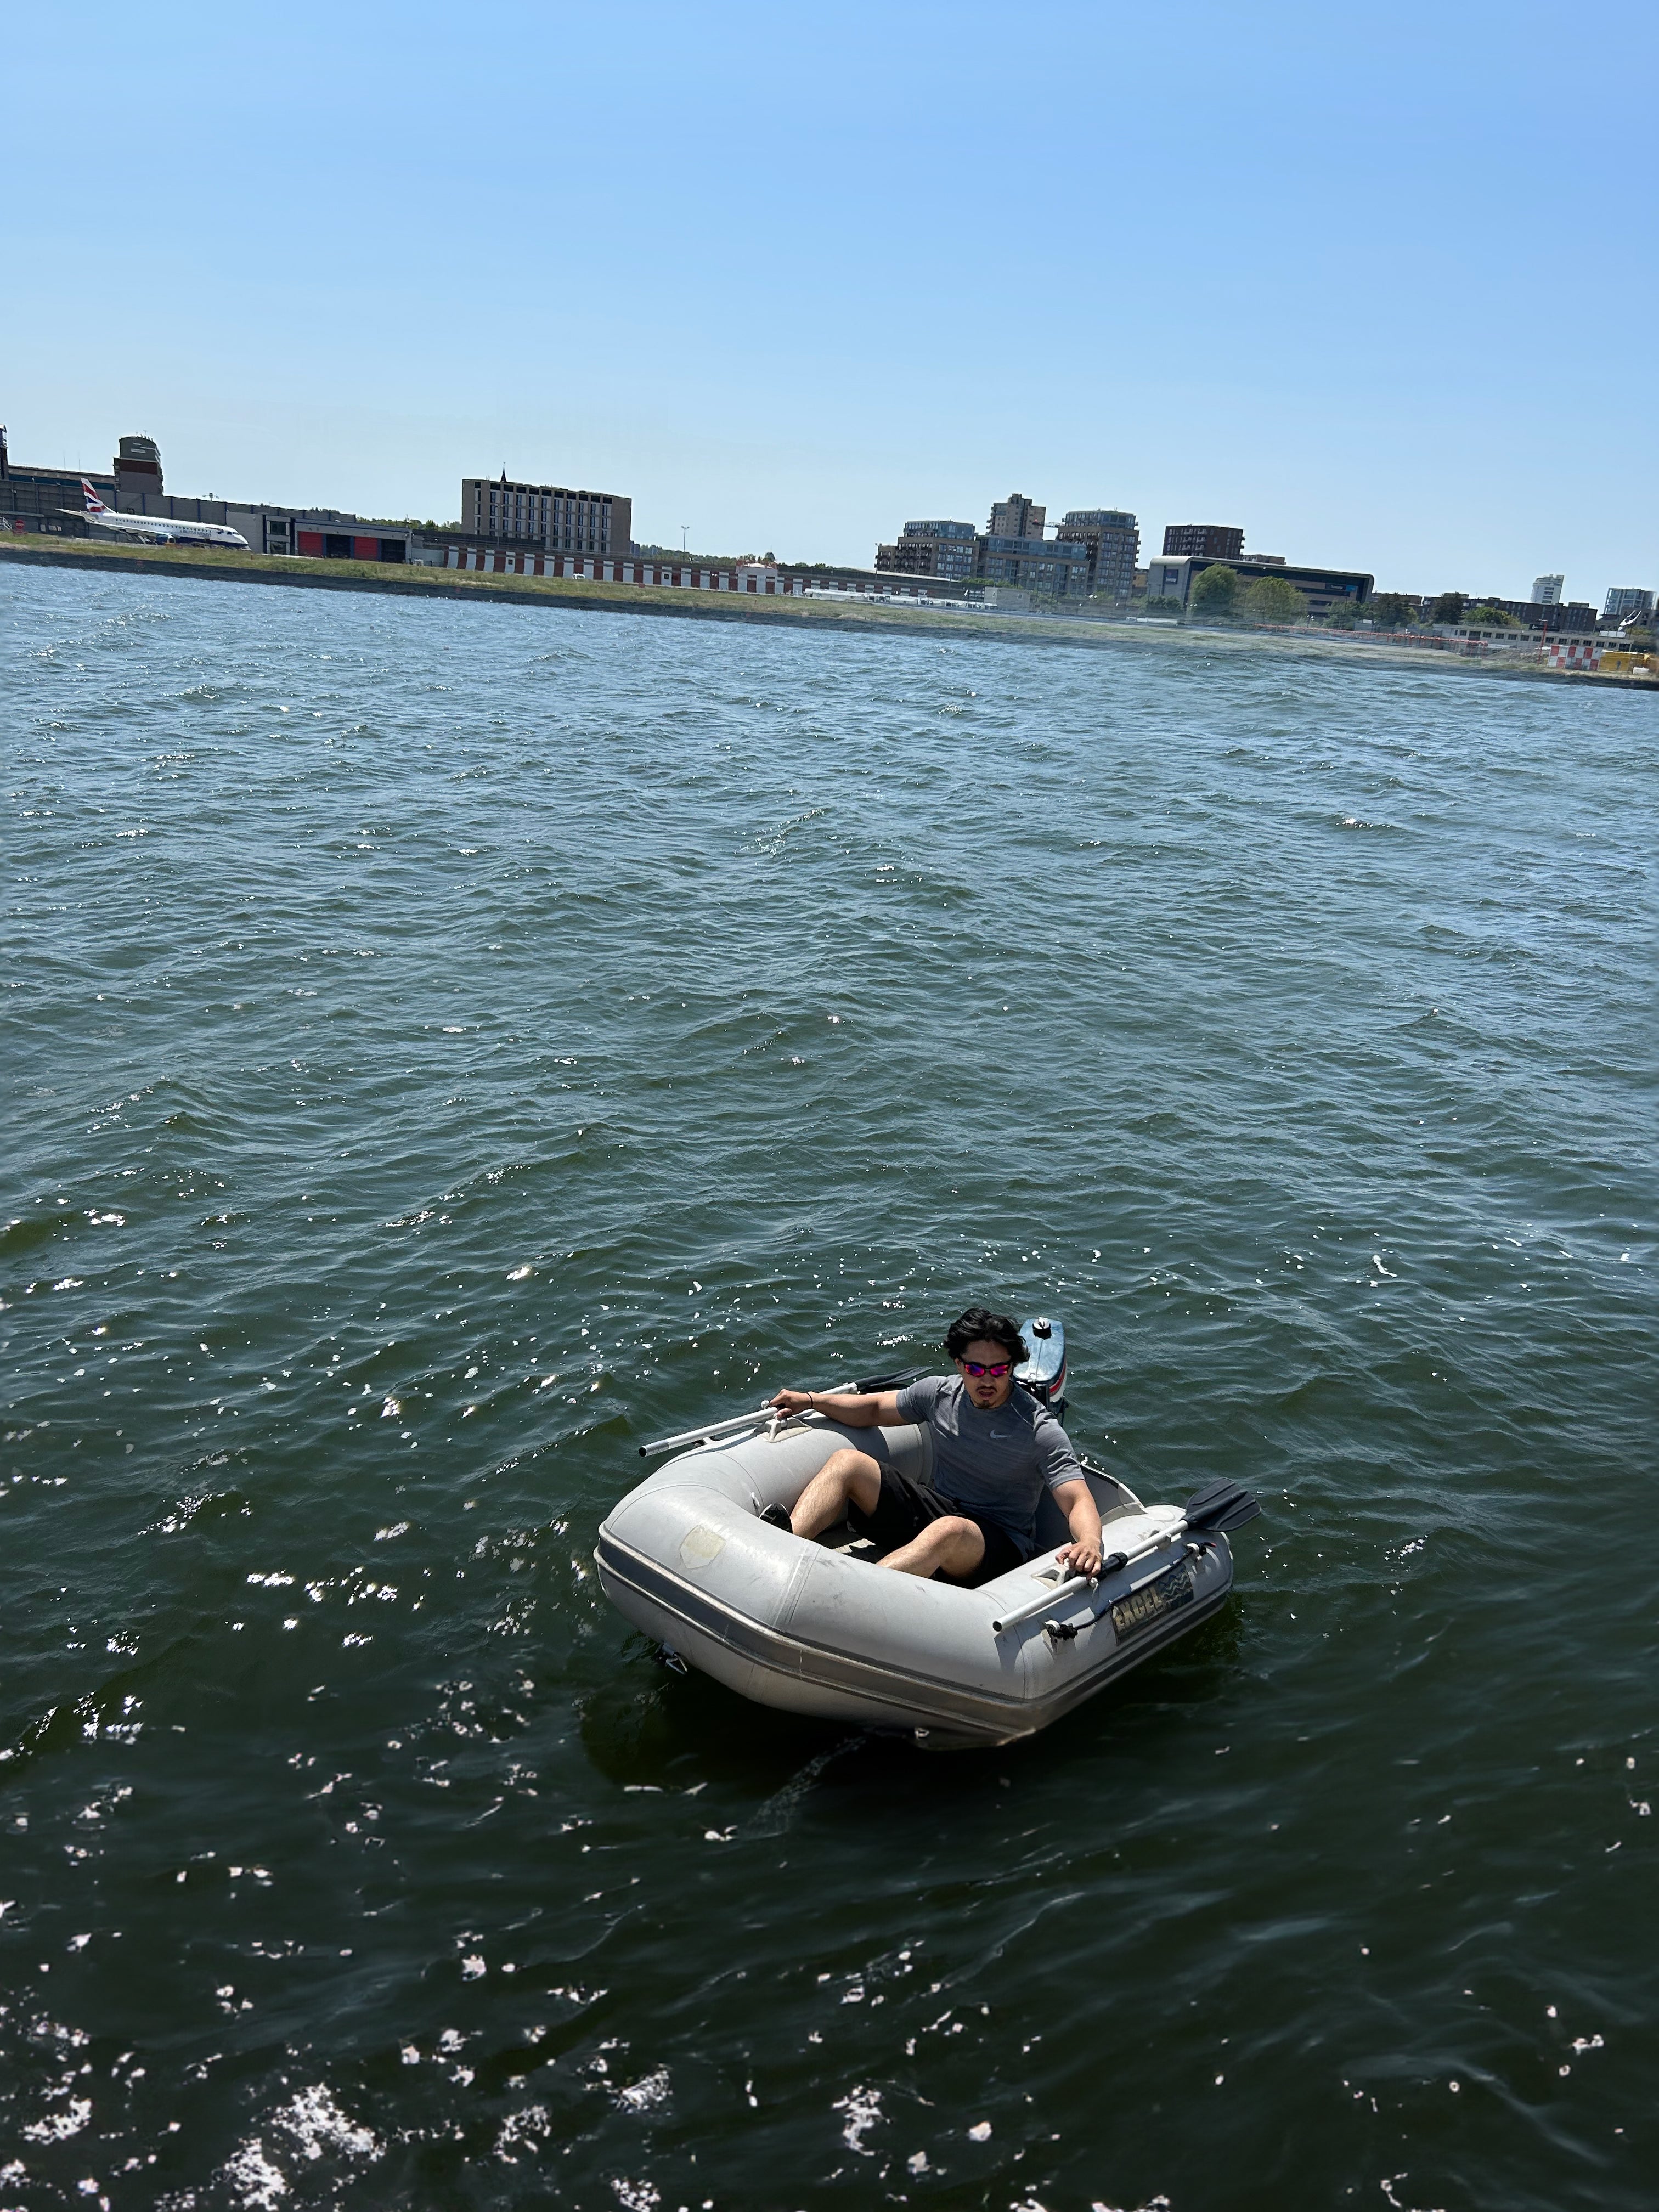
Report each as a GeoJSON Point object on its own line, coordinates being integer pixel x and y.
{"type": "Point", "coordinates": [1220, 1506]}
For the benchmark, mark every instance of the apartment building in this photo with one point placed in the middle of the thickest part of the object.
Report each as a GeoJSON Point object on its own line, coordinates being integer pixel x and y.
{"type": "Point", "coordinates": [554, 516]}
{"type": "Point", "coordinates": [1053, 568]}
{"type": "Point", "coordinates": [930, 549]}
{"type": "Point", "coordinates": [1205, 541]}
{"type": "Point", "coordinates": [1623, 601]}
{"type": "Point", "coordinates": [1015, 517]}
{"type": "Point", "coordinates": [1112, 540]}
{"type": "Point", "coordinates": [1535, 614]}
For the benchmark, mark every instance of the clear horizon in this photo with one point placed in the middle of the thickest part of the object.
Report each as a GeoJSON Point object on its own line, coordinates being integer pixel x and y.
{"type": "Point", "coordinates": [1358, 289]}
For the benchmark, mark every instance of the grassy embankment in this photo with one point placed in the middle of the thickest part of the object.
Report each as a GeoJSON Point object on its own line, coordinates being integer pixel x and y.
{"type": "Point", "coordinates": [394, 579]}
{"type": "Point", "coordinates": [414, 582]}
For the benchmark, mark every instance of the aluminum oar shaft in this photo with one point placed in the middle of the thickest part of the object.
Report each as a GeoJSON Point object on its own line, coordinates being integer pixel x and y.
{"type": "Point", "coordinates": [738, 1424]}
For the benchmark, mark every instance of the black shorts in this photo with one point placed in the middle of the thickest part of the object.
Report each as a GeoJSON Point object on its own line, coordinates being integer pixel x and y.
{"type": "Point", "coordinates": [905, 1509]}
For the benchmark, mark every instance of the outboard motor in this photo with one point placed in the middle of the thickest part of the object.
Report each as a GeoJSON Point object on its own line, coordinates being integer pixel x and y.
{"type": "Point", "coordinates": [1044, 1373]}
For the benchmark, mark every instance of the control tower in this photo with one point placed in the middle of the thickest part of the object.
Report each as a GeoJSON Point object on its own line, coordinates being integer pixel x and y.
{"type": "Point", "coordinates": [138, 472]}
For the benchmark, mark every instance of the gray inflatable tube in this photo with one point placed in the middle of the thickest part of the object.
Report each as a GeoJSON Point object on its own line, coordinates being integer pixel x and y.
{"type": "Point", "coordinates": [821, 1627]}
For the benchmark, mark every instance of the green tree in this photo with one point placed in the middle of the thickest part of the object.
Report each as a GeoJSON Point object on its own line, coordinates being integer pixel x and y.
{"type": "Point", "coordinates": [1344, 615]}
{"type": "Point", "coordinates": [1393, 610]}
{"type": "Point", "coordinates": [1273, 599]}
{"type": "Point", "coordinates": [1488, 617]}
{"type": "Point", "coordinates": [1214, 592]}
{"type": "Point", "coordinates": [1448, 608]}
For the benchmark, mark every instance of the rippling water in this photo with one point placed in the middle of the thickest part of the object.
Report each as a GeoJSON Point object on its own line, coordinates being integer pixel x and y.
{"type": "Point", "coordinates": [446, 1045]}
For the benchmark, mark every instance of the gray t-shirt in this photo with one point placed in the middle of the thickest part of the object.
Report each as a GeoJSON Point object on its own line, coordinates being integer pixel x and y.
{"type": "Point", "coordinates": [994, 1462]}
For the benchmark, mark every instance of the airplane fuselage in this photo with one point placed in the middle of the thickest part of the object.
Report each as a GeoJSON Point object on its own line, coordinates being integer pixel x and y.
{"type": "Point", "coordinates": [163, 530]}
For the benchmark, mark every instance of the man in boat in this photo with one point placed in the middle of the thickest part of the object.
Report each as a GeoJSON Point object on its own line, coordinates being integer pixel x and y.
{"type": "Point", "coordinates": [994, 1450]}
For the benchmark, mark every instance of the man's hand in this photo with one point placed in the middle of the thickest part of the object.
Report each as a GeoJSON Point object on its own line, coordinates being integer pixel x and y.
{"type": "Point", "coordinates": [1082, 1554]}
{"type": "Point", "coordinates": [848, 1409]}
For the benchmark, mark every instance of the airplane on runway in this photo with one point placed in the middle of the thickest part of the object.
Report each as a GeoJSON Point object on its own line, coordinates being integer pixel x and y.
{"type": "Point", "coordinates": [156, 529]}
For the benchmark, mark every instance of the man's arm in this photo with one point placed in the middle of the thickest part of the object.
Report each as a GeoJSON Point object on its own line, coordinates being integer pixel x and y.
{"type": "Point", "coordinates": [1076, 1502]}
{"type": "Point", "coordinates": [850, 1409]}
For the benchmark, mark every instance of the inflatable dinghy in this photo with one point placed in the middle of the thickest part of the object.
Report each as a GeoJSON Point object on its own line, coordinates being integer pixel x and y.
{"type": "Point", "coordinates": [816, 1625]}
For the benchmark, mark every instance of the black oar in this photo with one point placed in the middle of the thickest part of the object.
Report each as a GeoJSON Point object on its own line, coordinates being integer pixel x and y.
{"type": "Point", "coordinates": [1220, 1506]}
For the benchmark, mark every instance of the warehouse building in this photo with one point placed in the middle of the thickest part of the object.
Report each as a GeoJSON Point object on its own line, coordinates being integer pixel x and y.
{"type": "Point", "coordinates": [33, 499]}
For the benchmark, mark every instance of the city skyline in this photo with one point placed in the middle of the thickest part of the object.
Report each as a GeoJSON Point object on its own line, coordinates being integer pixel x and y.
{"type": "Point", "coordinates": [1088, 552]}
{"type": "Point", "coordinates": [1328, 329]}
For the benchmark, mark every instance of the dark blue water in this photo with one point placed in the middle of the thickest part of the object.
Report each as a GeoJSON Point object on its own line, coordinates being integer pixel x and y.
{"type": "Point", "coordinates": [446, 1045]}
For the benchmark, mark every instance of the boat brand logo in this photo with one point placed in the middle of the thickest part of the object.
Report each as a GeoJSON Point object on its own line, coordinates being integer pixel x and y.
{"type": "Point", "coordinates": [700, 1545]}
{"type": "Point", "coordinates": [1167, 1594]}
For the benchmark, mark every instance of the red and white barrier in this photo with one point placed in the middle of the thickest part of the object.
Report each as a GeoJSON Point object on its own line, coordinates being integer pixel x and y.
{"type": "Point", "coordinates": [657, 573]}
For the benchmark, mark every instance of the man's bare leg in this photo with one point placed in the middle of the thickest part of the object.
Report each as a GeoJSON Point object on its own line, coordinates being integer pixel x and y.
{"type": "Point", "coordinates": [846, 1473]}
{"type": "Point", "coordinates": [949, 1546]}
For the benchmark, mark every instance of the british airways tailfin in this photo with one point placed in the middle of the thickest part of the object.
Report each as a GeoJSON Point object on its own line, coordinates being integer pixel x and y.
{"type": "Point", "coordinates": [94, 505]}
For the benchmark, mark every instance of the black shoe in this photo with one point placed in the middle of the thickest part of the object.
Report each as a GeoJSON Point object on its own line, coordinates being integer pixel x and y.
{"type": "Point", "coordinates": [775, 1518]}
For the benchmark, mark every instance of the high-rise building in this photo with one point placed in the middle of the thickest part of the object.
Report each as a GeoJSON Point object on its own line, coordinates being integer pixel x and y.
{"type": "Point", "coordinates": [1547, 590]}
{"type": "Point", "coordinates": [1207, 541]}
{"type": "Point", "coordinates": [1015, 551]}
{"type": "Point", "coordinates": [930, 549]}
{"type": "Point", "coordinates": [1112, 540]}
{"type": "Point", "coordinates": [1015, 517]}
{"type": "Point", "coordinates": [564, 521]}
{"type": "Point", "coordinates": [1625, 600]}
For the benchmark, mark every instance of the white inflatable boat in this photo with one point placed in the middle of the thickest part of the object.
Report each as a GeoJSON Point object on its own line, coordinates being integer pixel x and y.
{"type": "Point", "coordinates": [817, 1626]}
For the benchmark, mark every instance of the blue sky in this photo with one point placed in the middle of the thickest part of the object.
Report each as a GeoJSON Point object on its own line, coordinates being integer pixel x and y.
{"type": "Point", "coordinates": [1376, 284]}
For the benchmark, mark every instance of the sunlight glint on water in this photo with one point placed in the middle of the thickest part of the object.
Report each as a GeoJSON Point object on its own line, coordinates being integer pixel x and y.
{"type": "Point", "coordinates": [447, 1045]}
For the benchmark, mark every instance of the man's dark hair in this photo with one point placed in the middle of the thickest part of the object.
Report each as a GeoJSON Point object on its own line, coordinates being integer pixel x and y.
{"type": "Point", "coordinates": [977, 1325]}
